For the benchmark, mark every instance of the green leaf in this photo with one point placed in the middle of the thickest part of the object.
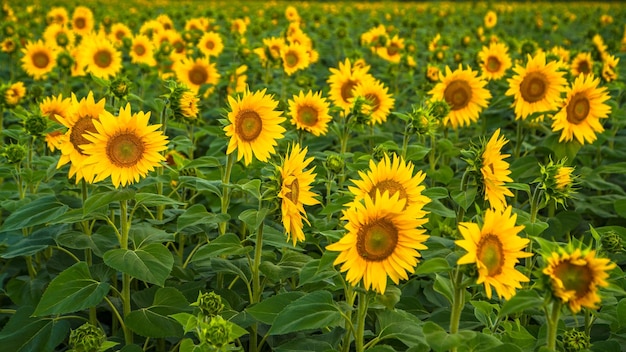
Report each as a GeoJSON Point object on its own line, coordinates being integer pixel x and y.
{"type": "Point", "coordinates": [221, 265]}
{"type": "Point", "coordinates": [438, 339]}
{"type": "Point", "coordinates": [37, 212]}
{"type": "Point", "coordinates": [143, 234]}
{"type": "Point", "coordinates": [252, 187]}
{"type": "Point", "coordinates": [154, 320]}
{"type": "Point", "coordinates": [198, 215]}
{"type": "Point", "coordinates": [187, 345]}
{"type": "Point", "coordinates": [436, 192]}
{"type": "Point", "coordinates": [201, 185]}
{"type": "Point", "coordinates": [23, 333]}
{"type": "Point", "coordinates": [433, 265]}
{"type": "Point", "coordinates": [400, 325]}
{"type": "Point", "coordinates": [227, 244]}
{"type": "Point", "coordinates": [152, 263]}
{"type": "Point", "coordinates": [620, 207]}
{"type": "Point", "coordinates": [73, 290]}
{"type": "Point", "coordinates": [314, 311]}
{"type": "Point", "coordinates": [318, 270]}
{"type": "Point", "coordinates": [305, 344]}
{"type": "Point", "coordinates": [444, 287]}
{"type": "Point", "coordinates": [465, 199]}
{"type": "Point", "coordinates": [519, 187]}
{"type": "Point", "coordinates": [436, 207]}
{"type": "Point", "coordinates": [267, 310]}
{"type": "Point", "coordinates": [416, 152]}
{"type": "Point", "coordinates": [103, 199]}
{"type": "Point", "coordinates": [24, 246]}
{"type": "Point", "coordinates": [188, 321]}
{"type": "Point", "coordinates": [253, 217]}
{"type": "Point", "coordinates": [153, 199]}
{"type": "Point", "coordinates": [522, 300]}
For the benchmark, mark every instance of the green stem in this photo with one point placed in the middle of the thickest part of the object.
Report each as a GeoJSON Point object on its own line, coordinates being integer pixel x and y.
{"type": "Point", "coordinates": [159, 170]}
{"type": "Point", "coordinates": [405, 140]}
{"type": "Point", "coordinates": [518, 139]}
{"type": "Point", "coordinates": [226, 190]}
{"type": "Point", "coordinates": [458, 301]}
{"type": "Point", "coordinates": [350, 297]}
{"type": "Point", "coordinates": [553, 324]}
{"type": "Point", "coordinates": [256, 283]}
{"type": "Point", "coordinates": [360, 327]}
{"type": "Point", "coordinates": [126, 279]}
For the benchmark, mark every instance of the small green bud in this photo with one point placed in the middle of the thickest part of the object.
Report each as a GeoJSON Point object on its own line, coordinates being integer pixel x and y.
{"type": "Point", "coordinates": [35, 125]}
{"type": "Point", "coordinates": [439, 109]}
{"type": "Point", "coordinates": [87, 338]}
{"type": "Point", "coordinates": [612, 242]}
{"type": "Point", "coordinates": [217, 332]}
{"type": "Point", "coordinates": [14, 153]}
{"type": "Point", "coordinates": [335, 163]}
{"type": "Point", "coordinates": [574, 341]}
{"type": "Point", "coordinates": [210, 304]}
{"type": "Point", "coordinates": [65, 60]}
{"type": "Point", "coordinates": [120, 87]}
{"type": "Point", "coordinates": [379, 152]}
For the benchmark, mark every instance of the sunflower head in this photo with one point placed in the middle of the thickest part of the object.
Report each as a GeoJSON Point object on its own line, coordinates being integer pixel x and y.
{"type": "Point", "coordinates": [558, 181]}
{"type": "Point", "coordinates": [183, 102]}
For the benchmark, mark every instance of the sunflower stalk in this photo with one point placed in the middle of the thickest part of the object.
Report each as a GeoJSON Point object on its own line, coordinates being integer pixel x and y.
{"type": "Point", "coordinates": [126, 279]}
{"type": "Point", "coordinates": [225, 201]}
{"type": "Point", "coordinates": [159, 170]}
{"type": "Point", "coordinates": [256, 283]}
{"type": "Point", "coordinates": [458, 301]}
{"type": "Point", "coordinates": [553, 317]}
{"type": "Point", "coordinates": [361, 315]}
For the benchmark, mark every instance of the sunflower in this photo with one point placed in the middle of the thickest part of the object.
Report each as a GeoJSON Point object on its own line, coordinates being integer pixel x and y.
{"type": "Point", "coordinates": [82, 20]}
{"type": "Point", "coordinates": [310, 112]}
{"type": "Point", "coordinates": [79, 120]}
{"type": "Point", "coordinates": [379, 101]}
{"type": "Point", "coordinates": [495, 248]}
{"type": "Point", "coordinates": [57, 15]}
{"type": "Point", "coordinates": [238, 80]}
{"type": "Point", "coordinates": [393, 176]}
{"type": "Point", "coordinates": [609, 65]}
{"type": "Point", "coordinates": [575, 276]}
{"type": "Point", "coordinates": [100, 56]}
{"type": "Point", "coordinates": [584, 107]}
{"type": "Point", "coordinates": [432, 73]}
{"type": "Point", "coordinates": [196, 73]}
{"type": "Point", "coordinates": [494, 61]}
{"type": "Point", "coordinates": [495, 172]}
{"type": "Point", "coordinates": [343, 80]}
{"type": "Point", "coordinates": [537, 87]}
{"type": "Point", "coordinates": [291, 14]}
{"type": "Point", "coordinates": [238, 26]}
{"type": "Point", "coordinates": [254, 126]}
{"type": "Point", "coordinates": [274, 46]}
{"type": "Point", "coordinates": [14, 94]}
{"type": "Point", "coordinates": [295, 192]}
{"type": "Point", "coordinates": [39, 59]}
{"type": "Point", "coordinates": [53, 106]}
{"type": "Point", "coordinates": [295, 57]}
{"type": "Point", "coordinates": [142, 50]}
{"type": "Point", "coordinates": [58, 36]}
{"type": "Point", "coordinates": [375, 37]}
{"type": "Point", "coordinates": [54, 140]}
{"type": "Point", "coordinates": [582, 63]}
{"type": "Point", "coordinates": [124, 147]}
{"type": "Point", "coordinates": [382, 240]}
{"type": "Point", "coordinates": [491, 19]}
{"type": "Point", "coordinates": [8, 45]}
{"type": "Point", "coordinates": [465, 92]}
{"type": "Point", "coordinates": [211, 44]}
{"type": "Point", "coordinates": [119, 31]}
{"type": "Point", "coordinates": [393, 49]}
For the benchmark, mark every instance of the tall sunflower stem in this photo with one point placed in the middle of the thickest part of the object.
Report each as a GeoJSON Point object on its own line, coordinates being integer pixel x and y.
{"type": "Point", "coordinates": [126, 279]}
{"type": "Point", "coordinates": [405, 140]}
{"type": "Point", "coordinates": [361, 315]}
{"type": "Point", "coordinates": [159, 170]}
{"type": "Point", "coordinates": [256, 283]}
{"type": "Point", "coordinates": [553, 324]}
{"type": "Point", "coordinates": [350, 297]}
{"type": "Point", "coordinates": [226, 190]}
{"type": "Point", "coordinates": [458, 301]}
{"type": "Point", "coordinates": [534, 210]}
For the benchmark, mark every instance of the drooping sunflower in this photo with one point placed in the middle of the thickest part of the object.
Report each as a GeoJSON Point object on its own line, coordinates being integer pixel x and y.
{"type": "Point", "coordinates": [100, 56]}
{"type": "Point", "coordinates": [142, 50]}
{"type": "Point", "coordinates": [254, 126]}
{"type": "Point", "coordinates": [382, 240]}
{"type": "Point", "coordinates": [466, 94]}
{"type": "Point", "coordinates": [79, 120]}
{"type": "Point", "coordinates": [582, 64]}
{"type": "Point", "coordinates": [494, 61]}
{"type": "Point", "coordinates": [82, 20]}
{"type": "Point", "coordinates": [537, 87]}
{"type": "Point", "coordinates": [196, 73]}
{"type": "Point", "coordinates": [39, 59]}
{"type": "Point", "coordinates": [575, 276]}
{"type": "Point", "coordinates": [393, 176]}
{"type": "Point", "coordinates": [343, 80]}
{"type": "Point", "coordinates": [295, 57]}
{"type": "Point", "coordinates": [495, 249]}
{"type": "Point", "coordinates": [295, 192]}
{"type": "Point", "coordinates": [125, 147]}
{"type": "Point", "coordinates": [495, 172]}
{"type": "Point", "coordinates": [211, 44]}
{"type": "Point", "coordinates": [379, 101]}
{"type": "Point", "coordinates": [310, 112]}
{"type": "Point", "coordinates": [584, 107]}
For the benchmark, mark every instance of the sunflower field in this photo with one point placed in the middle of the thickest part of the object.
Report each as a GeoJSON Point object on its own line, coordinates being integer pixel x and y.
{"type": "Point", "coordinates": [312, 176]}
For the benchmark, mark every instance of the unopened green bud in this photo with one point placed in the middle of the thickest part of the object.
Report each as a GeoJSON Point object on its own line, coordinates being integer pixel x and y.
{"type": "Point", "coordinates": [13, 153]}
{"type": "Point", "coordinates": [35, 125]}
{"type": "Point", "coordinates": [210, 304]}
{"type": "Point", "coordinates": [87, 338]}
{"type": "Point", "coordinates": [335, 163]}
{"type": "Point", "coordinates": [574, 341]}
{"type": "Point", "coordinates": [120, 87]}
{"type": "Point", "coordinates": [65, 60]}
{"type": "Point", "coordinates": [439, 109]}
{"type": "Point", "coordinates": [217, 332]}
{"type": "Point", "coordinates": [379, 152]}
{"type": "Point", "coordinates": [612, 242]}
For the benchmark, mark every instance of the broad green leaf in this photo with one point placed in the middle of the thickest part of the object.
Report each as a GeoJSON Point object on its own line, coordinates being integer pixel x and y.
{"type": "Point", "coordinates": [221, 265]}
{"type": "Point", "coordinates": [198, 215]}
{"type": "Point", "coordinates": [19, 245]}
{"type": "Point", "coordinates": [481, 342]}
{"type": "Point", "coordinates": [103, 199]}
{"type": "Point", "coordinates": [73, 290]}
{"type": "Point", "coordinates": [522, 300]}
{"type": "Point", "coordinates": [438, 339]}
{"type": "Point", "coordinates": [143, 234]}
{"type": "Point", "coordinates": [267, 310]}
{"type": "Point", "coordinates": [436, 192]}
{"type": "Point", "coordinates": [75, 240]}
{"type": "Point", "coordinates": [316, 310]}
{"type": "Point", "coordinates": [620, 207]}
{"type": "Point", "coordinates": [318, 270]}
{"type": "Point", "coordinates": [227, 244]}
{"type": "Point", "coordinates": [519, 187]}
{"type": "Point", "coordinates": [188, 321]}
{"type": "Point", "coordinates": [253, 218]}
{"type": "Point", "coordinates": [23, 333]}
{"type": "Point", "coordinates": [153, 199]}
{"type": "Point", "coordinates": [621, 312]}
{"type": "Point", "coordinates": [131, 348]}
{"type": "Point", "coordinates": [444, 287]}
{"type": "Point", "coordinates": [400, 325]}
{"type": "Point", "coordinates": [465, 199]}
{"type": "Point", "coordinates": [152, 263]}
{"type": "Point", "coordinates": [433, 265]}
{"type": "Point", "coordinates": [187, 345]}
{"type": "Point", "coordinates": [154, 320]}
{"type": "Point", "coordinates": [416, 152]}
{"type": "Point", "coordinates": [39, 211]}
{"type": "Point", "coordinates": [252, 187]}
{"type": "Point", "coordinates": [436, 207]}
{"type": "Point", "coordinates": [204, 161]}
{"type": "Point", "coordinates": [201, 185]}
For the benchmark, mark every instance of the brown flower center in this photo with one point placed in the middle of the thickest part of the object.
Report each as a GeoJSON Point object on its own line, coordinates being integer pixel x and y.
{"type": "Point", "coordinates": [490, 253]}
{"type": "Point", "coordinates": [307, 115]}
{"type": "Point", "coordinates": [198, 75]}
{"type": "Point", "coordinates": [393, 49]}
{"type": "Point", "coordinates": [578, 109]}
{"type": "Point", "coordinates": [534, 87]}
{"type": "Point", "coordinates": [583, 67]}
{"type": "Point", "coordinates": [377, 240]}
{"type": "Point", "coordinates": [248, 125]}
{"type": "Point", "coordinates": [294, 191]}
{"type": "Point", "coordinates": [458, 94]}
{"type": "Point", "coordinates": [346, 89]}
{"type": "Point", "coordinates": [139, 49]}
{"type": "Point", "coordinates": [390, 186]}
{"type": "Point", "coordinates": [40, 59]}
{"type": "Point", "coordinates": [80, 23]}
{"type": "Point", "coordinates": [103, 58]}
{"type": "Point", "coordinates": [210, 44]}
{"type": "Point", "coordinates": [493, 64]}
{"type": "Point", "coordinates": [291, 59]}
{"type": "Point", "coordinates": [125, 150]}
{"type": "Point", "coordinates": [574, 277]}
{"type": "Point", "coordinates": [120, 34]}
{"type": "Point", "coordinates": [82, 126]}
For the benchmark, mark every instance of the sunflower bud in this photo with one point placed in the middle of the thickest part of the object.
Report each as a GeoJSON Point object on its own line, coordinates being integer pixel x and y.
{"type": "Point", "coordinates": [217, 332]}
{"type": "Point", "coordinates": [120, 87]}
{"type": "Point", "coordinates": [557, 181]}
{"type": "Point", "coordinates": [65, 60]}
{"type": "Point", "coordinates": [361, 110]}
{"type": "Point", "coordinates": [87, 338]}
{"type": "Point", "coordinates": [35, 125]}
{"type": "Point", "coordinates": [574, 341]}
{"type": "Point", "coordinates": [379, 152]}
{"type": "Point", "coordinates": [184, 103]}
{"type": "Point", "coordinates": [335, 163]}
{"type": "Point", "coordinates": [612, 242]}
{"type": "Point", "coordinates": [13, 153]}
{"type": "Point", "coordinates": [210, 304]}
